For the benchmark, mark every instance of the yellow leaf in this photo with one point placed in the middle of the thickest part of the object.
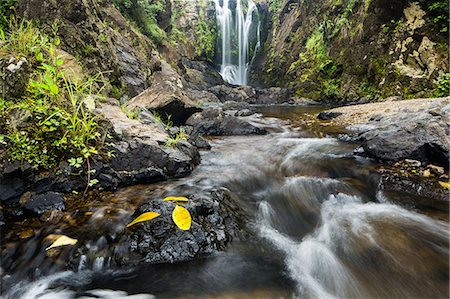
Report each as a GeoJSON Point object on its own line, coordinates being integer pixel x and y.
{"type": "Point", "coordinates": [175, 198]}
{"type": "Point", "coordinates": [143, 217]}
{"type": "Point", "coordinates": [445, 185]}
{"type": "Point", "coordinates": [62, 241]}
{"type": "Point", "coordinates": [427, 173]}
{"type": "Point", "coordinates": [182, 218]}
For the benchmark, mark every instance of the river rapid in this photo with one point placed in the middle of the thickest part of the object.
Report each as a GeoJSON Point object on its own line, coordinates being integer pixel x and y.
{"type": "Point", "coordinates": [320, 225]}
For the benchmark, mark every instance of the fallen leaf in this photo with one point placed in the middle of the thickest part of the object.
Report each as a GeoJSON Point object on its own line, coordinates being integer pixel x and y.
{"type": "Point", "coordinates": [426, 173]}
{"type": "Point", "coordinates": [446, 185]}
{"type": "Point", "coordinates": [62, 241]}
{"type": "Point", "coordinates": [143, 217]}
{"type": "Point", "coordinates": [182, 218]}
{"type": "Point", "coordinates": [175, 198]}
{"type": "Point", "coordinates": [27, 233]}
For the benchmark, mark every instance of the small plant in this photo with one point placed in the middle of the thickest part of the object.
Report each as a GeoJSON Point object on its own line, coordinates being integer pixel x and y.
{"type": "Point", "coordinates": [170, 142]}
{"type": "Point", "coordinates": [443, 86]}
{"type": "Point", "coordinates": [59, 122]}
{"type": "Point", "coordinates": [131, 114]}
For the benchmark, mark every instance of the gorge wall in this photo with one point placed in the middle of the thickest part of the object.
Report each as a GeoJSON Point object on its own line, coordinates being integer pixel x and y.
{"type": "Point", "coordinates": [344, 50]}
{"type": "Point", "coordinates": [329, 50]}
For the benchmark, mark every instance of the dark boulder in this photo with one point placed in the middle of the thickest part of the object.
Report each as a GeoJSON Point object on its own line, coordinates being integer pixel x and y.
{"type": "Point", "coordinates": [216, 221]}
{"type": "Point", "coordinates": [166, 96]}
{"type": "Point", "coordinates": [215, 122]}
{"type": "Point", "coordinates": [40, 203]}
{"type": "Point", "coordinates": [327, 115]}
{"type": "Point", "coordinates": [420, 136]}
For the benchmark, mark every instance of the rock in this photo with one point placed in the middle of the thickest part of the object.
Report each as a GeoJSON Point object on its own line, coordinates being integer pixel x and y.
{"type": "Point", "coordinates": [244, 112]}
{"type": "Point", "coordinates": [215, 222]}
{"type": "Point", "coordinates": [40, 203]}
{"type": "Point", "coordinates": [139, 152]}
{"type": "Point", "coordinates": [11, 188]}
{"type": "Point", "coordinates": [416, 136]}
{"type": "Point", "coordinates": [327, 115]}
{"type": "Point", "coordinates": [273, 95]}
{"type": "Point", "coordinates": [166, 96]}
{"type": "Point", "coordinates": [101, 37]}
{"type": "Point", "coordinates": [436, 169]}
{"type": "Point", "coordinates": [200, 142]}
{"type": "Point", "coordinates": [214, 121]}
{"type": "Point", "coordinates": [14, 77]}
{"type": "Point", "coordinates": [232, 105]}
{"type": "Point", "coordinates": [200, 75]}
{"type": "Point", "coordinates": [236, 94]}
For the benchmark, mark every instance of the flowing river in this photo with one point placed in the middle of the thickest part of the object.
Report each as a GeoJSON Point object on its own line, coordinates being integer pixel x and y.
{"type": "Point", "coordinates": [321, 227]}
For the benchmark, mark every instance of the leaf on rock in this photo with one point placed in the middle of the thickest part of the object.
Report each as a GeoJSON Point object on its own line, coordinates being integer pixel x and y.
{"type": "Point", "coordinates": [427, 173]}
{"type": "Point", "coordinates": [182, 217]}
{"type": "Point", "coordinates": [445, 185]}
{"type": "Point", "coordinates": [62, 241]}
{"type": "Point", "coordinates": [143, 217]}
{"type": "Point", "coordinates": [176, 198]}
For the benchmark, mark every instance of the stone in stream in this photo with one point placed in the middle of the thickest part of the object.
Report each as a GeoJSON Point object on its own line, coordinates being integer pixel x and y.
{"type": "Point", "coordinates": [215, 122]}
{"type": "Point", "coordinates": [216, 220]}
{"type": "Point", "coordinates": [327, 115]}
{"type": "Point", "coordinates": [40, 203]}
{"type": "Point", "coordinates": [418, 136]}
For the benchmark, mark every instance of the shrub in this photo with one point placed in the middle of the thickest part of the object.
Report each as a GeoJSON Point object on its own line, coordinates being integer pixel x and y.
{"type": "Point", "coordinates": [56, 121]}
{"type": "Point", "coordinates": [443, 86]}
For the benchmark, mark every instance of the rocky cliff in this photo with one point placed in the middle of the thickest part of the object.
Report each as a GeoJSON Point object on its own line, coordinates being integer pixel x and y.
{"type": "Point", "coordinates": [350, 49]}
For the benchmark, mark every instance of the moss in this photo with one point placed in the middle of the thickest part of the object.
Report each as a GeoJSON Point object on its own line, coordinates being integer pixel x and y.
{"type": "Point", "coordinates": [331, 89]}
{"type": "Point", "coordinates": [442, 88]}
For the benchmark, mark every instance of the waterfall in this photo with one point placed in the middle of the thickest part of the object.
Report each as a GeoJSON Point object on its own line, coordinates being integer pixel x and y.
{"type": "Point", "coordinates": [235, 69]}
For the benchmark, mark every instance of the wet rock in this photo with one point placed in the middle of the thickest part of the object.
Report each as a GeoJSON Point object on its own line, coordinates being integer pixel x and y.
{"type": "Point", "coordinates": [215, 122]}
{"type": "Point", "coordinates": [139, 152]}
{"type": "Point", "coordinates": [166, 96]}
{"type": "Point", "coordinates": [40, 203]}
{"type": "Point", "coordinates": [273, 95]}
{"type": "Point", "coordinates": [216, 221]}
{"type": "Point", "coordinates": [244, 112]}
{"type": "Point", "coordinates": [200, 142]}
{"type": "Point", "coordinates": [11, 188]}
{"type": "Point", "coordinates": [233, 93]}
{"type": "Point", "coordinates": [199, 74]}
{"type": "Point", "coordinates": [14, 78]}
{"type": "Point", "coordinates": [327, 115]}
{"type": "Point", "coordinates": [233, 105]}
{"type": "Point", "coordinates": [417, 136]}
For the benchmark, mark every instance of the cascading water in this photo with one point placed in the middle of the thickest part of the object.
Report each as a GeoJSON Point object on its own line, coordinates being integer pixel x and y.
{"type": "Point", "coordinates": [238, 37]}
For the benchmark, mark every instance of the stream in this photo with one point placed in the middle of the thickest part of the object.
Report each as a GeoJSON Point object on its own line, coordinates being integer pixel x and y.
{"type": "Point", "coordinates": [321, 228]}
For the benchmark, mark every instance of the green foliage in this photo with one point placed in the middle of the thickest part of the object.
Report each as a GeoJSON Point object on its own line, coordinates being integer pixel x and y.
{"type": "Point", "coordinates": [438, 11]}
{"type": "Point", "coordinates": [206, 40]}
{"type": "Point", "coordinates": [165, 121]}
{"type": "Point", "coordinates": [170, 142]}
{"type": "Point", "coordinates": [56, 122]}
{"type": "Point", "coordinates": [331, 88]}
{"type": "Point", "coordinates": [205, 33]}
{"type": "Point", "coordinates": [443, 86]}
{"type": "Point", "coordinates": [6, 8]}
{"type": "Point", "coordinates": [131, 114]}
{"type": "Point", "coordinates": [144, 13]}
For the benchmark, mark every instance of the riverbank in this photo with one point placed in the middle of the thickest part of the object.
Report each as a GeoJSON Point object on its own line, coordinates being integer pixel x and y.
{"type": "Point", "coordinates": [411, 139]}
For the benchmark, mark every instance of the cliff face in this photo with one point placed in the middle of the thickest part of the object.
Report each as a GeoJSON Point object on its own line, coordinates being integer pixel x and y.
{"type": "Point", "coordinates": [350, 49]}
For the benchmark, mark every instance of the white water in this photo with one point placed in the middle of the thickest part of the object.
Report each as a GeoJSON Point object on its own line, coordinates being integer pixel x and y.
{"type": "Point", "coordinates": [316, 263]}
{"type": "Point", "coordinates": [235, 71]}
